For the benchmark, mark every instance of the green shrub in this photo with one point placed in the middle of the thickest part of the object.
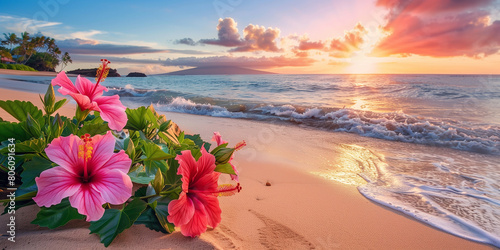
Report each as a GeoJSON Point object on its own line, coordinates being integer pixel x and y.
{"type": "Point", "coordinates": [16, 67]}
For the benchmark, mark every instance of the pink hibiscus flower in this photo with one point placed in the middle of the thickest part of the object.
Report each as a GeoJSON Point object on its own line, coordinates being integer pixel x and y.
{"type": "Point", "coordinates": [89, 173]}
{"type": "Point", "coordinates": [218, 139]}
{"type": "Point", "coordinates": [89, 96]}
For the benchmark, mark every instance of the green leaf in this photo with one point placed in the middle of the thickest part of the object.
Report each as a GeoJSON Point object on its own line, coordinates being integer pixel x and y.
{"type": "Point", "coordinates": [198, 141]}
{"type": "Point", "coordinates": [93, 129]}
{"type": "Point", "coordinates": [225, 168]}
{"type": "Point", "coordinates": [154, 157]}
{"type": "Point", "coordinates": [154, 152]}
{"type": "Point", "coordinates": [33, 169]}
{"type": "Point", "coordinates": [12, 130]}
{"type": "Point", "coordinates": [31, 146]}
{"type": "Point", "coordinates": [136, 118]}
{"type": "Point", "coordinates": [57, 215]}
{"type": "Point", "coordinates": [114, 221]}
{"type": "Point", "coordinates": [172, 176]}
{"type": "Point", "coordinates": [140, 176]}
{"type": "Point", "coordinates": [59, 104]}
{"type": "Point", "coordinates": [152, 166]}
{"type": "Point", "coordinates": [160, 207]}
{"type": "Point", "coordinates": [140, 192]}
{"type": "Point", "coordinates": [69, 127]}
{"type": "Point", "coordinates": [149, 219]}
{"type": "Point", "coordinates": [20, 109]}
{"type": "Point", "coordinates": [20, 198]}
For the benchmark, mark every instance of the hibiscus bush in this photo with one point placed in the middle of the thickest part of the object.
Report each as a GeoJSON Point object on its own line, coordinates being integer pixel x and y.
{"type": "Point", "coordinates": [111, 165]}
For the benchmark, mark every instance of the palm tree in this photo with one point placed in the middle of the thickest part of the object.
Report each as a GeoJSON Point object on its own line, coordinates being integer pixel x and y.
{"type": "Point", "coordinates": [65, 60]}
{"type": "Point", "coordinates": [36, 43]}
{"type": "Point", "coordinates": [25, 46]}
{"type": "Point", "coordinates": [10, 39]}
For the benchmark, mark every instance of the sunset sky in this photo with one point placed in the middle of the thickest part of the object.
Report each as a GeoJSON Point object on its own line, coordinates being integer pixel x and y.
{"type": "Point", "coordinates": [328, 37]}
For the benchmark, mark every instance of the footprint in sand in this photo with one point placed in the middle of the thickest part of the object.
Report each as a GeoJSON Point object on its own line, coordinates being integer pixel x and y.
{"type": "Point", "coordinates": [277, 236]}
{"type": "Point", "coordinates": [226, 238]}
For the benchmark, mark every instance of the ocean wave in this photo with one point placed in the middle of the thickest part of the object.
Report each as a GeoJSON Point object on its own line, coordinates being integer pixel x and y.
{"type": "Point", "coordinates": [129, 91]}
{"type": "Point", "coordinates": [397, 126]}
{"type": "Point", "coordinates": [181, 105]}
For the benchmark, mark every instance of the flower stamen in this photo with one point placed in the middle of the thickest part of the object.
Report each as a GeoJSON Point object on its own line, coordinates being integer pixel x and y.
{"type": "Point", "coordinates": [240, 145]}
{"type": "Point", "coordinates": [102, 72]}
{"type": "Point", "coordinates": [85, 152]}
{"type": "Point", "coordinates": [228, 189]}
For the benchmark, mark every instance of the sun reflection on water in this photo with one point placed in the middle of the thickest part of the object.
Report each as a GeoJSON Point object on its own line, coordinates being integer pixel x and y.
{"type": "Point", "coordinates": [355, 165]}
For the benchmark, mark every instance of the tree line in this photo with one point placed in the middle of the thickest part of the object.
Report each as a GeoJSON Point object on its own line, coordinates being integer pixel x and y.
{"type": "Point", "coordinates": [39, 52]}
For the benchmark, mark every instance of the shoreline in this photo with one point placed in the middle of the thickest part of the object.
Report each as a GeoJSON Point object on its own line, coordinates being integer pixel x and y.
{"type": "Point", "coordinates": [299, 210]}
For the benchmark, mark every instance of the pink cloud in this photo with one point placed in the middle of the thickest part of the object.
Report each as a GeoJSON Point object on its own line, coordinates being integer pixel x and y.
{"type": "Point", "coordinates": [432, 6]}
{"type": "Point", "coordinates": [258, 38]}
{"type": "Point", "coordinates": [440, 28]}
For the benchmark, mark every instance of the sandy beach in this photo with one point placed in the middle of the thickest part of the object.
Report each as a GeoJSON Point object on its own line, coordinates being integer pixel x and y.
{"type": "Point", "coordinates": [299, 210]}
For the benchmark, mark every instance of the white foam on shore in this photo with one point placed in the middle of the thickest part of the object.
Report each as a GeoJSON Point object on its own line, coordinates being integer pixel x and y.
{"type": "Point", "coordinates": [398, 126]}
{"type": "Point", "coordinates": [181, 105]}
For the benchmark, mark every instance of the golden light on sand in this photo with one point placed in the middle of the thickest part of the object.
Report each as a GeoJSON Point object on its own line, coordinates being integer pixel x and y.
{"type": "Point", "coordinates": [354, 161]}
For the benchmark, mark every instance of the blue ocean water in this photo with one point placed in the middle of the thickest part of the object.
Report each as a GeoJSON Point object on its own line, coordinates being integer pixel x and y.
{"type": "Point", "coordinates": [448, 173]}
{"type": "Point", "coordinates": [456, 111]}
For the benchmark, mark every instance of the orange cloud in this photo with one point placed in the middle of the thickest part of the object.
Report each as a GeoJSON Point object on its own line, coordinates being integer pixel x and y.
{"type": "Point", "coordinates": [340, 47]}
{"type": "Point", "coordinates": [305, 44]}
{"type": "Point", "coordinates": [439, 28]}
{"type": "Point", "coordinates": [350, 43]}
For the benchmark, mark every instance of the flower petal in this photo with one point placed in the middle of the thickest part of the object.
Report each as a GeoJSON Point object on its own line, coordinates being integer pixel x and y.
{"type": "Point", "coordinates": [54, 185]}
{"type": "Point", "coordinates": [212, 208]}
{"type": "Point", "coordinates": [198, 223]}
{"type": "Point", "coordinates": [83, 101]}
{"type": "Point", "coordinates": [114, 185]}
{"type": "Point", "coordinates": [119, 161]}
{"type": "Point", "coordinates": [187, 168]}
{"type": "Point", "coordinates": [86, 87]}
{"type": "Point", "coordinates": [103, 147]}
{"type": "Point", "coordinates": [205, 174]}
{"type": "Point", "coordinates": [112, 111]}
{"type": "Point", "coordinates": [64, 152]}
{"type": "Point", "coordinates": [206, 183]}
{"type": "Point", "coordinates": [66, 86]}
{"type": "Point", "coordinates": [218, 139]}
{"type": "Point", "coordinates": [234, 177]}
{"type": "Point", "coordinates": [181, 210]}
{"type": "Point", "coordinates": [89, 202]}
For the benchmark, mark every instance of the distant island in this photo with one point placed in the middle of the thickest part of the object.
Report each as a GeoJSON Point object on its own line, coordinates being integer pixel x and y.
{"type": "Point", "coordinates": [136, 74]}
{"type": "Point", "coordinates": [92, 72]}
{"type": "Point", "coordinates": [218, 70]}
